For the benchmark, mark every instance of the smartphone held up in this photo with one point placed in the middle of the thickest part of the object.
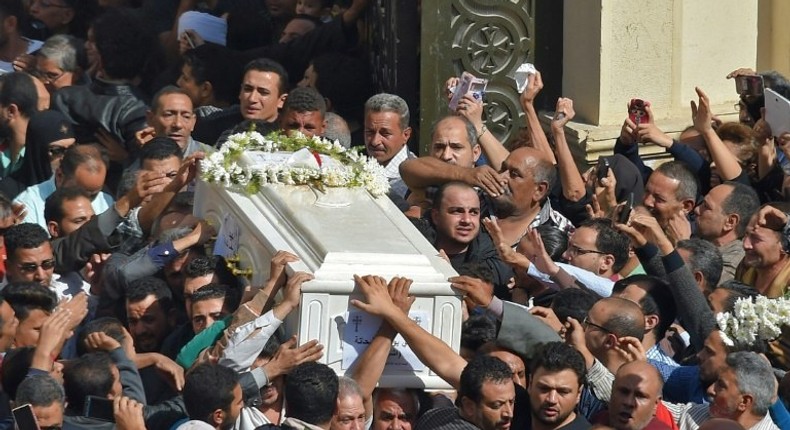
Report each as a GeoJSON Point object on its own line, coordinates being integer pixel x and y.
{"type": "Point", "coordinates": [637, 111]}
{"type": "Point", "coordinates": [468, 84]}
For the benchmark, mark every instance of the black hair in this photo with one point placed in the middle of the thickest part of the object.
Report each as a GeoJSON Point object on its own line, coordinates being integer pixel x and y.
{"type": "Point", "coordinates": [439, 194]}
{"type": "Point", "coordinates": [554, 240]}
{"type": "Point", "coordinates": [160, 148]}
{"type": "Point", "coordinates": [214, 290]}
{"type": "Point", "coordinates": [477, 330]}
{"type": "Point", "coordinates": [89, 375]}
{"type": "Point", "coordinates": [27, 296]}
{"type": "Point", "coordinates": [249, 25]}
{"type": "Point", "coordinates": [24, 236]}
{"type": "Point", "coordinates": [124, 43]}
{"type": "Point", "coordinates": [17, 88]}
{"type": "Point", "coordinates": [108, 325]}
{"type": "Point", "coordinates": [704, 257]}
{"type": "Point", "coordinates": [209, 387]}
{"type": "Point", "coordinates": [40, 390]}
{"type": "Point", "coordinates": [141, 288]}
{"type": "Point", "coordinates": [345, 81]}
{"type": "Point", "coordinates": [53, 206]}
{"type": "Point", "coordinates": [743, 201]}
{"type": "Point", "coordinates": [482, 369]}
{"type": "Point", "coordinates": [271, 66]}
{"type": "Point", "coordinates": [200, 265]}
{"type": "Point", "coordinates": [16, 364]}
{"type": "Point", "coordinates": [573, 302]}
{"type": "Point", "coordinates": [610, 240]}
{"type": "Point", "coordinates": [215, 64]}
{"type": "Point", "coordinates": [305, 99]}
{"type": "Point", "coordinates": [737, 290]}
{"type": "Point", "coordinates": [558, 356]}
{"type": "Point", "coordinates": [658, 299]}
{"type": "Point", "coordinates": [312, 390]}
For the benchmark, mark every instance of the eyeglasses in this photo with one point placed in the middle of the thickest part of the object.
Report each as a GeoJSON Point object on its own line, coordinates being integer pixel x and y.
{"type": "Point", "coordinates": [56, 151]}
{"type": "Point", "coordinates": [49, 77]}
{"type": "Point", "coordinates": [586, 324]}
{"type": "Point", "coordinates": [575, 250]}
{"type": "Point", "coordinates": [32, 267]}
{"type": "Point", "coordinates": [48, 4]}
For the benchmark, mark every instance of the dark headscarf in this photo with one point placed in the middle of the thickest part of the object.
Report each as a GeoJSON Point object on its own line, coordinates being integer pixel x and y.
{"type": "Point", "coordinates": [628, 178]}
{"type": "Point", "coordinates": [44, 128]}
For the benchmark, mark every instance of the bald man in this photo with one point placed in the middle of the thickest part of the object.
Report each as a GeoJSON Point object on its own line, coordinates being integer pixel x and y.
{"type": "Point", "coordinates": [607, 321]}
{"type": "Point", "coordinates": [636, 394]}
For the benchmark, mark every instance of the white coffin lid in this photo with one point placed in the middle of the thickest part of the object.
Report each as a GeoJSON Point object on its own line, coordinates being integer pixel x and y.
{"type": "Point", "coordinates": [337, 234]}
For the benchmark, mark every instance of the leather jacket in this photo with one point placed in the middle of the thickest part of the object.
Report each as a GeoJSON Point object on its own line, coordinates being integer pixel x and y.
{"type": "Point", "coordinates": [115, 107]}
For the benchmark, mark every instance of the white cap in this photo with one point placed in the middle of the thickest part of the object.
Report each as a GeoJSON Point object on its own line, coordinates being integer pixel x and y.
{"type": "Point", "coordinates": [211, 28]}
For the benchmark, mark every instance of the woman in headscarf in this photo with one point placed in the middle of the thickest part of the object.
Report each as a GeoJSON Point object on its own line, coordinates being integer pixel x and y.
{"type": "Point", "coordinates": [49, 134]}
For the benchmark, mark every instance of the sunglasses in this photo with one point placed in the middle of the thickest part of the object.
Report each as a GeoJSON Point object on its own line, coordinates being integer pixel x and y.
{"type": "Point", "coordinates": [32, 267]}
{"type": "Point", "coordinates": [56, 151]}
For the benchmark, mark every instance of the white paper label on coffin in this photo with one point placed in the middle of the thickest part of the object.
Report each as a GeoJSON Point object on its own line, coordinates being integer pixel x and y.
{"type": "Point", "coordinates": [337, 234]}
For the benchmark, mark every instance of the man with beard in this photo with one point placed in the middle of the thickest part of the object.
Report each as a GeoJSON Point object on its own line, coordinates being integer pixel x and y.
{"type": "Point", "coordinates": [12, 43]}
{"type": "Point", "coordinates": [741, 393]}
{"type": "Point", "coordinates": [18, 102]}
{"type": "Point", "coordinates": [524, 204]}
{"type": "Point", "coordinates": [212, 395]}
{"type": "Point", "coordinates": [557, 375]}
{"type": "Point", "coordinates": [454, 229]}
{"type": "Point", "coordinates": [486, 395]}
{"type": "Point", "coordinates": [149, 311]}
{"type": "Point", "coordinates": [765, 265]}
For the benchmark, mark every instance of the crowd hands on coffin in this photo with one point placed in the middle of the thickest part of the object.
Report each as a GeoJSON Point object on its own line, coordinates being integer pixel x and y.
{"type": "Point", "coordinates": [621, 295]}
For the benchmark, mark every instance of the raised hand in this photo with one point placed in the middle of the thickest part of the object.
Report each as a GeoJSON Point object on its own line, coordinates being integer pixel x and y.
{"type": "Point", "coordinates": [771, 218]}
{"type": "Point", "coordinates": [701, 114]}
{"type": "Point", "coordinates": [649, 131]}
{"type": "Point", "coordinates": [174, 372]}
{"type": "Point", "coordinates": [548, 316]}
{"type": "Point", "coordinates": [277, 267]}
{"type": "Point", "coordinates": [563, 113]}
{"type": "Point", "coordinates": [289, 356]}
{"type": "Point", "coordinates": [631, 349]}
{"type": "Point", "coordinates": [378, 301]}
{"type": "Point", "coordinates": [476, 292]}
{"type": "Point", "coordinates": [128, 413]}
{"type": "Point", "coordinates": [534, 85]}
{"type": "Point", "coordinates": [488, 179]}
{"type": "Point", "coordinates": [293, 288]}
{"type": "Point", "coordinates": [398, 289]}
{"type": "Point", "coordinates": [505, 251]}
{"type": "Point", "coordinates": [101, 341]}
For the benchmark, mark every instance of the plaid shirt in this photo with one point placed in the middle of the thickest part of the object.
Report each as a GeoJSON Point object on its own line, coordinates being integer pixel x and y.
{"type": "Point", "coordinates": [392, 171]}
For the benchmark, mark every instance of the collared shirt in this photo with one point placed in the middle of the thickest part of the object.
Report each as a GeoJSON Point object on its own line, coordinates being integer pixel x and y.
{"type": "Point", "coordinates": [8, 165]}
{"type": "Point", "coordinates": [392, 171]}
{"type": "Point", "coordinates": [731, 254]}
{"type": "Point", "coordinates": [32, 46]}
{"type": "Point", "coordinates": [35, 196]}
{"type": "Point", "coordinates": [657, 355]}
{"type": "Point", "coordinates": [548, 215]}
{"type": "Point", "coordinates": [690, 416]}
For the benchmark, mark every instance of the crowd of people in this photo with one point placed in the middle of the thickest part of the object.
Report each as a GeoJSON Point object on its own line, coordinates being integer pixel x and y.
{"type": "Point", "coordinates": [619, 296]}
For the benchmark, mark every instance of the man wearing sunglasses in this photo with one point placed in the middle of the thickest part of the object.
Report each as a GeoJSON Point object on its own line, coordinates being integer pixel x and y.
{"type": "Point", "coordinates": [30, 259]}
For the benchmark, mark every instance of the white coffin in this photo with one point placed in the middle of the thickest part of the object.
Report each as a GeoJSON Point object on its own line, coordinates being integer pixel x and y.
{"type": "Point", "coordinates": [337, 234]}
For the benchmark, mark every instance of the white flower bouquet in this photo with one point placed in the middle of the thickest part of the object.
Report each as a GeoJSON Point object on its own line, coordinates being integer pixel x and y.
{"type": "Point", "coordinates": [755, 320]}
{"type": "Point", "coordinates": [315, 161]}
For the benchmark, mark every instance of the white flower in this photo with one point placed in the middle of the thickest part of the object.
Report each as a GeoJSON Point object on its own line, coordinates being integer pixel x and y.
{"type": "Point", "coordinates": [347, 168]}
